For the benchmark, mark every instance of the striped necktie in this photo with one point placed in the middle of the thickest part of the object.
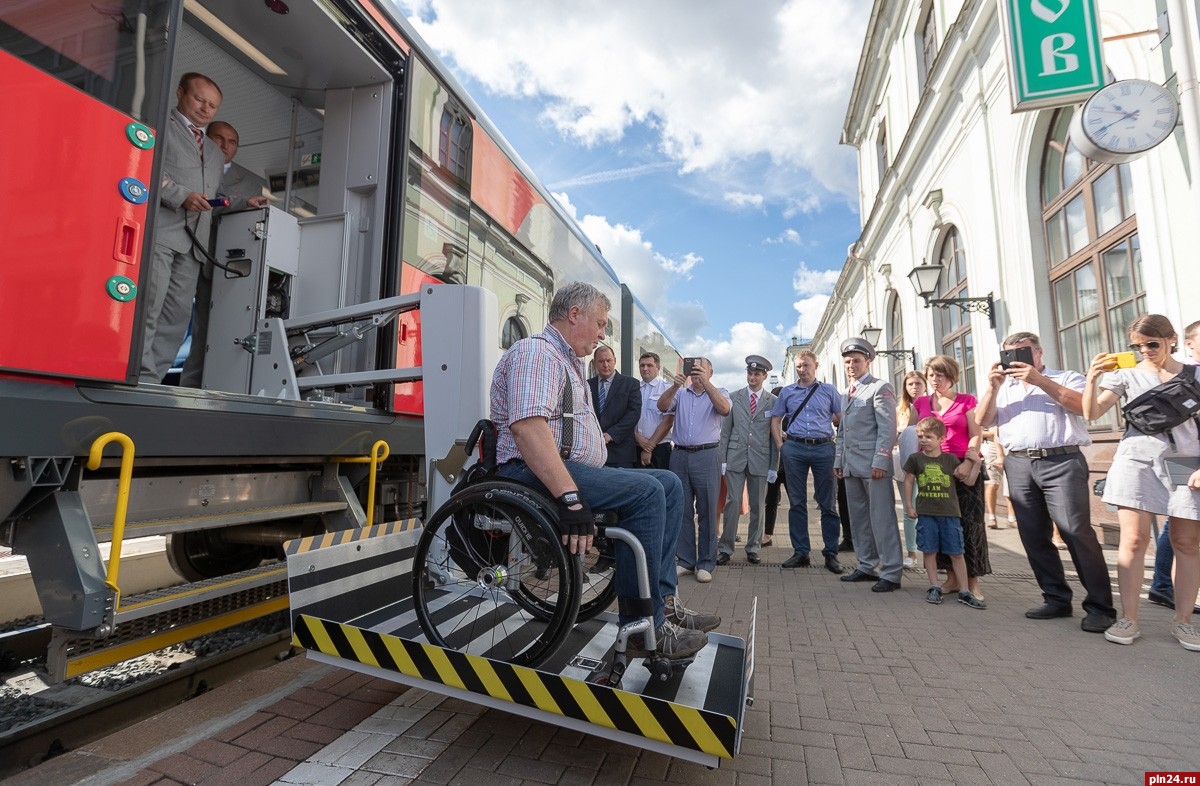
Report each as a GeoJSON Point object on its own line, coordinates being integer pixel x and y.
{"type": "Point", "coordinates": [603, 394]}
{"type": "Point", "coordinates": [196, 132]}
{"type": "Point", "coordinates": [753, 404]}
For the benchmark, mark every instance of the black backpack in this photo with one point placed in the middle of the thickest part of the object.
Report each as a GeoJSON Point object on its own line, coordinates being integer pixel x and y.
{"type": "Point", "coordinates": [1166, 405]}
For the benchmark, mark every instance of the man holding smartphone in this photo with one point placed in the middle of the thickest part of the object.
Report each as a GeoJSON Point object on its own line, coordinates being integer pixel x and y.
{"type": "Point", "coordinates": [1038, 413]}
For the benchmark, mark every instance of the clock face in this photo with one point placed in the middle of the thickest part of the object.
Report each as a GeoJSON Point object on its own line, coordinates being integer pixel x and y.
{"type": "Point", "coordinates": [1129, 117]}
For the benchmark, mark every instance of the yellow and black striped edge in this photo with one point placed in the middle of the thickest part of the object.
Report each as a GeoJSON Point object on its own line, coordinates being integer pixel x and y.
{"type": "Point", "coordinates": [656, 719]}
{"type": "Point", "coordinates": [313, 542]}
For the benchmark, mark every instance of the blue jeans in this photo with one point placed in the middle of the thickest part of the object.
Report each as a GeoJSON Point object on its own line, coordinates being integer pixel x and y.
{"type": "Point", "coordinates": [1164, 557]}
{"type": "Point", "coordinates": [649, 504]}
{"type": "Point", "coordinates": [798, 459]}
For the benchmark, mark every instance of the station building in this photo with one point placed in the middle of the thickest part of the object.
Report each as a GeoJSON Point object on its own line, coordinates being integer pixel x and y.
{"type": "Point", "coordinates": [1004, 203]}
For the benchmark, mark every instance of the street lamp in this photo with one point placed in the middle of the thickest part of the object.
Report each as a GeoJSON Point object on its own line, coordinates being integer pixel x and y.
{"type": "Point", "coordinates": [873, 334]}
{"type": "Point", "coordinates": [925, 279]}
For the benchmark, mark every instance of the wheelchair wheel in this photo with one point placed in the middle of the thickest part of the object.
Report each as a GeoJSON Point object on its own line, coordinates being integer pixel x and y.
{"type": "Point", "coordinates": [492, 578]}
{"type": "Point", "coordinates": [597, 589]}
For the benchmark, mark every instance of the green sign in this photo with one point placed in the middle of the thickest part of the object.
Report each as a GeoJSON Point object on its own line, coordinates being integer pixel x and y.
{"type": "Point", "coordinates": [1054, 51]}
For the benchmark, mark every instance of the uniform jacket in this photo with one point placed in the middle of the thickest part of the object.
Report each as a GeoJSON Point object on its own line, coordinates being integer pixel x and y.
{"type": "Point", "coordinates": [622, 409]}
{"type": "Point", "coordinates": [867, 432]}
{"type": "Point", "coordinates": [183, 172]}
{"type": "Point", "coordinates": [746, 444]}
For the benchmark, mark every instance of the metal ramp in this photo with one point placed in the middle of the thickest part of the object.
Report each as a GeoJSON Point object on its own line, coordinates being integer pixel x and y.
{"type": "Point", "coordinates": [351, 607]}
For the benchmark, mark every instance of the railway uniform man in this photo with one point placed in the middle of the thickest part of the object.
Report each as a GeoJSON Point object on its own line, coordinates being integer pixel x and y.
{"type": "Point", "coordinates": [243, 189]}
{"type": "Point", "coordinates": [802, 424]}
{"type": "Point", "coordinates": [863, 460]}
{"type": "Point", "coordinates": [1038, 413]}
{"type": "Point", "coordinates": [191, 175]}
{"type": "Point", "coordinates": [533, 382]}
{"type": "Point", "coordinates": [654, 428]}
{"type": "Point", "coordinates": [748, 458]}
{"type": "Point", "coordinates": [699, 407]}
{"type": "Point", "coordinates": [618, 405]}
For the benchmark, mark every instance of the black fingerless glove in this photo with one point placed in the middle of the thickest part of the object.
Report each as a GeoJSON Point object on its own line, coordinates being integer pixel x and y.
{"type": "Point", "coordinates": [574, 522]}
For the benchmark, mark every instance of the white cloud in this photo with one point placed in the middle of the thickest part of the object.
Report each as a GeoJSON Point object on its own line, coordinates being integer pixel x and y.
{"type": "Point", "coordinates": [786, 236]}
{"type": "Point", "coordinates": [814, 282]}
{"type": "Point", "coordinates": [717, 82]}
{"type": "Point", "coordinates": [742, 199]}
{"type": "Point", "coordinates": [809, 203]}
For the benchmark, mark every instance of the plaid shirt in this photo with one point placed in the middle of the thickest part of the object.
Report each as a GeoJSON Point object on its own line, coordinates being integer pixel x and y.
{"type": "Point", "coordinates": [529, 382]}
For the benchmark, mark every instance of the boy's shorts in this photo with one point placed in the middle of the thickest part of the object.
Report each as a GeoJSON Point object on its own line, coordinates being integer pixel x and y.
{"type": "Point", "coordinates": [940, 534]}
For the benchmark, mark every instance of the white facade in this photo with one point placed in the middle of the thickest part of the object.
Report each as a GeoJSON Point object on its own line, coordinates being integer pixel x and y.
{"type": "Point", "coordinates": [945, 165]}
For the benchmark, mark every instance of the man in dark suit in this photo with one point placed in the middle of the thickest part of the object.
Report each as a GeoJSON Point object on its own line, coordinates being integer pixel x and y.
{"type": "Point", "coordinates": [618, 401]}
{"type": "Point", "coordinates": [191, 173]}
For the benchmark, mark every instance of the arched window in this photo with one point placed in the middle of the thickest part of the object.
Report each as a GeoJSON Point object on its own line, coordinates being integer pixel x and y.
{"type": "Point", "coordinates": [454, 142]}
{"type": "Point", "coordinates": [1093, 252]}
{"type": "Point", "coordinates": [954, 324]}
{"type": "Point", "coordinates": [512, 332]}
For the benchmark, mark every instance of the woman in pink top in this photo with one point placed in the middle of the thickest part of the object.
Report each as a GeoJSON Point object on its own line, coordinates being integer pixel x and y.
{"type": "Point", "coordinates": [957, 412]}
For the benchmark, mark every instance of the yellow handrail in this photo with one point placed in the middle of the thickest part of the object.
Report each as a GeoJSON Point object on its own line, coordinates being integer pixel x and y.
{"type": "Point", "coordinates": [379, 453]}
{"type": "Point", "coordinates": [123, 483]}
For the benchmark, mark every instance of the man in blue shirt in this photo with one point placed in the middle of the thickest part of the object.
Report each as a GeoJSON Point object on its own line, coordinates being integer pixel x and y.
{"type": "Point", "coordinates": [802, 424]}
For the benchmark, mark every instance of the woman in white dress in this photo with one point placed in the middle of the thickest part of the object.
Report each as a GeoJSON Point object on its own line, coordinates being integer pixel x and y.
{"type": "Point", "coordinates": [1138, 483]}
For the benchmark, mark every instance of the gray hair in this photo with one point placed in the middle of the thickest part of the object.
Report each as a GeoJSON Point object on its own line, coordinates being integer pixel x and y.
{"type": "Point", "coordinates": [1017, 338]}
{"type": "Point", "coordinates": [577, 294]}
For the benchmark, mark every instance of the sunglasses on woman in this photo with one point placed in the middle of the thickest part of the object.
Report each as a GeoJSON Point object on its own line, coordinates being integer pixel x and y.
{"type": "Point", "coordinates": [1151, 345]}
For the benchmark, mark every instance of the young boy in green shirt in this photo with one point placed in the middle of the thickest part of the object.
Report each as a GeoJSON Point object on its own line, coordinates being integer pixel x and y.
{"type": "Point", "coordinates": [939, 528]}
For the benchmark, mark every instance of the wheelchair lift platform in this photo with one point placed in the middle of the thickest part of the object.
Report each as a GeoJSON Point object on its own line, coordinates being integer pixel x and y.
{"type": "Point", "coordinates": [352, 607]}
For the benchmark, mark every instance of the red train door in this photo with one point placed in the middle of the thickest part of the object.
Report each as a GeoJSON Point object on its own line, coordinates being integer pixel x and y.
{"type": "Point", "coordinates": [74, 183]}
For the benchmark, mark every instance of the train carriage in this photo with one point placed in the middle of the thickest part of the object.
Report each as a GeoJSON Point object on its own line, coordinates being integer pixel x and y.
{"type": "Point", "coordinates": [385, 180]}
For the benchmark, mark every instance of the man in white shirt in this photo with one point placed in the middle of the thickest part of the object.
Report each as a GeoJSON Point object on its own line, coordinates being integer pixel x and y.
{"type": "Point", "coordinates": [653, 430]}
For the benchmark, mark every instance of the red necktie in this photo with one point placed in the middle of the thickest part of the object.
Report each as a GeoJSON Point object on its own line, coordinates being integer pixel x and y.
{"type": "Point", "coordinates": [196, 132]}
{"type": "Point", "coordinates": [753, 403]}
{"type": "Point", "coordinates": [853, 387]}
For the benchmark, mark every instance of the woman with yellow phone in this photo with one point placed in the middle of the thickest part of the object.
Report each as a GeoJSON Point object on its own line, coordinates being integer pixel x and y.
{"type": "Point", "coordinates": [1139, 483]}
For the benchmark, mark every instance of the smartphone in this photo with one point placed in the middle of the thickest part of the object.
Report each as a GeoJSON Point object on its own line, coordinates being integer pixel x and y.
{"type": "Point", "coordinates": [689, 364]}
{"type": "Point", "coordinates": [1124, 359]}
{"type": "Point", "coordinates": [1018, 355]}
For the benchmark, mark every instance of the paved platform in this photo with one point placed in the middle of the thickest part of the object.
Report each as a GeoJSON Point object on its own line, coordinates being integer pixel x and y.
{"type": "Point", "coordinates": [852, 687]}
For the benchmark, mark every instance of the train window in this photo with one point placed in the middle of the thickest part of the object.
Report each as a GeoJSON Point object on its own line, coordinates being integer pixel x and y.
{"type": "Point", "coordinates": [114, 51]}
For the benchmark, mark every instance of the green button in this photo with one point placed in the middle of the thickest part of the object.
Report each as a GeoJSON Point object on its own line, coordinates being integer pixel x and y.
{"type": "Point", "coordinates": [140, 135]}
{"type": "Point", "coordinates": [121, 289]}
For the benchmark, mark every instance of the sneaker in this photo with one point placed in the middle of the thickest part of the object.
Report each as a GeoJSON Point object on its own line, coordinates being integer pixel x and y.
{"type": "Point", "coordinates": [991, 521]}
{"type": "Point", "coordinates": [674, 643]}
{"type": "Point", "coordinates": [703, 576]}
{"type": "Point", "coordinates": [1123, 631]}
{"type": "Point", "coordinates": [909, 562]}
{"type": "Point", "coordinates": [967, 599]}
{"type": "Point", "coordinates": [934, 595]}
{"type": "Point", "coordinates": [686, 618]}
{"type": "Point", "coordinates": [1187, 635]}
{"type": "Point", "coordinates": [682, 571]}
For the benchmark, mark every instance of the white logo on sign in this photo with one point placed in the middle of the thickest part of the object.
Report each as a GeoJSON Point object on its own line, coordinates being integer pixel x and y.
{"type": "Point", "coordinates": [1041, 11]}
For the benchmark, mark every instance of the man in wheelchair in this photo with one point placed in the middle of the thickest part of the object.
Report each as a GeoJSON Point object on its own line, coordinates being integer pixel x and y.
{"type": "Point", "coordinates": [548, 436]}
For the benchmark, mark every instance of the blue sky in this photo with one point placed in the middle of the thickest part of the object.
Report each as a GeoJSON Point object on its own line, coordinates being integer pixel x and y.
{"type": "Point", "coordinates": [696, 143]}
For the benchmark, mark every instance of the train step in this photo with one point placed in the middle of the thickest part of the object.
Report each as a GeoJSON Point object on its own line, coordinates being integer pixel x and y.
{"type": "Point", "coordinates": [161, 618]}
{"type": "Point", "coordinates": [166, 526]}
{"type": "Point", "coordinates": [352, 607]}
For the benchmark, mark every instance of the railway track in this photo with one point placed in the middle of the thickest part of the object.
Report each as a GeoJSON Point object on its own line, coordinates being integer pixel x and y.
{"type": "Point", "coordinates": [63, 717]}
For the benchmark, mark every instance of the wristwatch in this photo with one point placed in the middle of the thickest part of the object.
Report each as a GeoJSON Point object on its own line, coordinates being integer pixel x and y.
{"type": "Point", "coordinates": [570, 498]}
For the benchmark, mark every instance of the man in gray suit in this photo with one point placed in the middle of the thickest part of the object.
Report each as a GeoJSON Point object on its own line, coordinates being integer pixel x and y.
{"type": "Point", "coordinates": [866, 435]}
{"type": "Point", "coordinates": [191, 174]}
{"type": "Point", "coordinates": [748, 458]}
{"type": "Point", "coordinates": [243, 189]}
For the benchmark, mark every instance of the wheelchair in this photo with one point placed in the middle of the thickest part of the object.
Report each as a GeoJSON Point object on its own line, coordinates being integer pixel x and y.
{"type": "Point", "coordinates": [492, 578]}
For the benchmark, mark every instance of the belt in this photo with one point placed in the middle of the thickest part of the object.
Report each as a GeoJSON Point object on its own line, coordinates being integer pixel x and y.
{"type": "Point", "coordinates": [1037, 453]}
{"type": "Point", "coordinates": [694, 448]}
{"type": "Point", "coordinates": [810, 440]}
